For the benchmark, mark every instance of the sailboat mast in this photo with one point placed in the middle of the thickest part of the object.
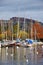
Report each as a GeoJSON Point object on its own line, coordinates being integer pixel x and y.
{"type": "Point", "coordinates": [24, 24]}
{"type": "Point", "coordinates": [24, 28]}
{"type": "Point", "coordinates": [18, 28]}
{"type": "Point", "coordinates": [6, 31]}
{"type": "Point", "coordinates": [31, 29]}
{"type": "Point", "coordinates": [35, 34]}
{"type": "Point", "coordinates": [1, 29]}
{"type": "Point", "coordinates": [12, 28]}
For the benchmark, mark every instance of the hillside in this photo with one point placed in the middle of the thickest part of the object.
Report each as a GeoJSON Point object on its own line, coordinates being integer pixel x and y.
{"type": "Point", "coordinates": [37, 25]}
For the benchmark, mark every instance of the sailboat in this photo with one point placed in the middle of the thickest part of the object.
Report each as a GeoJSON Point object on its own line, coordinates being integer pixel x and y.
{"type": "Point", "coordinates": [12, 41]}
{"type": "Point", "coordinates": [2, 29]}
{"type": "Point", "coordinates": [5, 42]}
{"type": "Point", "coordinates": [24, 43]}
{"type": "Point", "coordinates": [18, 42]}
{"type": "Point", "coordinates": [28, 41]}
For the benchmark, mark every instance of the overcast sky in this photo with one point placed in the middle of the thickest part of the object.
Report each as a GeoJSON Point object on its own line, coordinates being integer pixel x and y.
{"type": "Point", "coordinates": [22, 8]}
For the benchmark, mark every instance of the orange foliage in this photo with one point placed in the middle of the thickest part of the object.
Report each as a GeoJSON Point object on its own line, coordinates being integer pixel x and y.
{"type": "Point", "coordinates": [39, 30]}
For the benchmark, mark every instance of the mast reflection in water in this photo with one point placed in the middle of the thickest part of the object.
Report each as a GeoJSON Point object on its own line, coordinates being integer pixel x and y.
{"type": "Point", "coordinates": [21, 56]}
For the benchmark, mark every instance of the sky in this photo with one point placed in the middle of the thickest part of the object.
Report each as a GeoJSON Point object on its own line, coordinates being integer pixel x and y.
{"type": "Point", "coordinates": [31, 9]}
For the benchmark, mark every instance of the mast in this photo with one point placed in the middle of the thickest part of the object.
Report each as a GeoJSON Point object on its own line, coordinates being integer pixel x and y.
{"type": "Point", "coordinates": [18, 28]}
{"type": "Point", "coordinates": [6, 31]}
{"type": "Point", "coordinates": [24, 27]}
{"type": "Point", "coordinates": [35, 34]}
{"type": "Point", "coordinates": [12, 30]}
{"type": "Point", "coordinates": [2, 28]}
{"type": "Point", "coordinates": [31, 29]}
{"type": "Point", "coordinates": [24, 24]}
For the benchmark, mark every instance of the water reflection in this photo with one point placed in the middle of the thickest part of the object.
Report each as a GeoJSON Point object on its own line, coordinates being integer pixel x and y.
{"type": "Point", "coordinates": [21, 56]}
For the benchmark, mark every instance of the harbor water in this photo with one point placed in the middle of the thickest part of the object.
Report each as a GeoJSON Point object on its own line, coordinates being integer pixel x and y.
{"type": "Point", "coordinates": [21, 55]}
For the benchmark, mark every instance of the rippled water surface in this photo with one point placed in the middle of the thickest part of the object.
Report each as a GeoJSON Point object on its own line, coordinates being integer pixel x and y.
{"type": "Point", "coordinates": [21, 56]}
